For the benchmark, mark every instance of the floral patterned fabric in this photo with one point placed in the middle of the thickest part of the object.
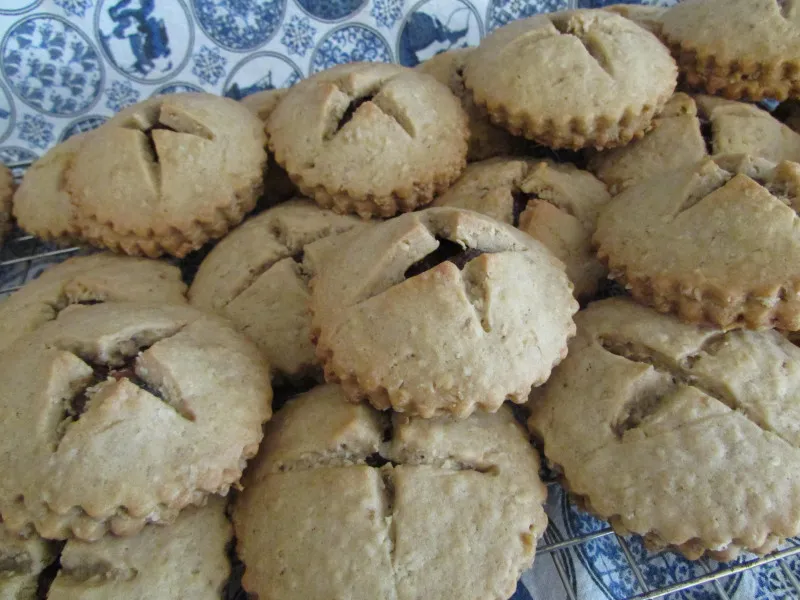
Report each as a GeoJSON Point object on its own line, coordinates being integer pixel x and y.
{"type": "Point", "coordinates": [67, 65]}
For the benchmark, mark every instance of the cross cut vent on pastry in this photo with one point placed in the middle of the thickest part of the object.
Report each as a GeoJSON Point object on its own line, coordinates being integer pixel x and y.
{"type": "Point", "coordinates": [399, 491]}
{"type": "Point", "coordinates": [446, 251]}
{"type": "Point", "coordinates": [120, 368]}
{"type": "Point", "coordinates": [578, 30]}
{"type": "Point", "coordinates": [155, 128]}
{"type": "Point", "coordinates": [376, 97]}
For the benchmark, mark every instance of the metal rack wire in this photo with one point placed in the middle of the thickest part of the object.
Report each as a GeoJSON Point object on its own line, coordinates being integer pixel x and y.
{"type": "Point", "coordinates": [23, 257]}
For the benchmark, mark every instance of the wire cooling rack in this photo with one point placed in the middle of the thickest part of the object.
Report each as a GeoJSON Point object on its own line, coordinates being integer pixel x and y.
{"type": "Point", "coordinates": [23, 257]}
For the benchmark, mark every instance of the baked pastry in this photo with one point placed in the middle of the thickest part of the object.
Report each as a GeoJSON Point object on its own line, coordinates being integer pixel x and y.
{"type": "Point", "coordinates": [557, 204]}
{"type": "Point", "coordinates": [22, 560]}
{"type": "Point", "coordinates": [690, 128]}
{"type": "Point", "coordinates": [740, 49]}
{"type": "Point", "coordinates": [485, 139]}
{"type": "Point", "coordinates": [374, 139]}
{"type": "Point", "coordinates": [258, 278]}
{"type": "Point", "coordinates": [42, 206]}
{"type": "Point", "coordinates": [676, 141]}
{"type": "Point", "coordinates": [6, 193]}
{"type": "Point", "coordinates": [742, 128]}
{"type": "Point", "coordinates": [714, 243]}
{"type": "Point", "coordinates": [686, 435]}
{"type": "Point", "coordinates": [644, 15]}
{"type": "Point", "coordinates": [572, 79]}
{"type": "Point", "coordinates": [261, 104]}
{"type": "Point", "coordinates": [102, 277]}
{"type": "Point", "coordinates": [277, 184]}
{"type": "Point", "coordinates": [185, 560]}
{"type": "Point", "coordinates": [323, 492]}
{"type": "Point", "coordinates": [441, 311]}
{"type": "Point", "coordinates": [168, 174]}
{"type": "Point", "coordinates": [118, 415]}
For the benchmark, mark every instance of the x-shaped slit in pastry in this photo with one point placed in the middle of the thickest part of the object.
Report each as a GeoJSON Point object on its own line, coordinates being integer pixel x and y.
{"type": "Point", "coordinates": [667, 378]}
{"type": "Point", "coordinates": [181, 123]}
{"type": "Point", "coordinates": [380, 100]}
{"type": "Point", "coordinates": [594, 49]}
{"type": "Point", "coordinates": [447, 251]}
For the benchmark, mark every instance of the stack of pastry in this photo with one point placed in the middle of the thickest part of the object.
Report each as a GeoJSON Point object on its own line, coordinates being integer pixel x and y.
{"type": "Point", "coordinates": [399, 304]}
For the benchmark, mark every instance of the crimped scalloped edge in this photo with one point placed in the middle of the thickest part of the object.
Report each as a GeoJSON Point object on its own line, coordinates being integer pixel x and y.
{"type": "Point", "coordinates": [403, 199]}
{"type": "Point", "coordinates": [707, 304]}
{"type": "Point", "coordinates": [176, 242]}
{"type": "Point", "coordinates": [380, 398]}
{"type": "Point", "coordinates": [77, 524]}
{"type": "Point", "coordinates": [601, 132]}
{"type": "Point", "coordinates": [693, 549]}
{"type": "Point", "coordinates": [735, 79]}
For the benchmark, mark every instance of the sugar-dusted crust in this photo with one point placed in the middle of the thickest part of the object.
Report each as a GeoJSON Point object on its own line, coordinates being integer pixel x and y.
{"type": "Point", "coordinates": [369, 138]}
{"type": "Point", "coordinates": [447, 340]}
{"type": "Point", "coordinates": [319, 495]}
{"type": "Point", "coordinates": [118, 415]}
{"type": "Point", "coordinates": [168, 174]}
{"type": "Point", "coordinates": [740, 49]}
{"type": "Point", "coordinates": [694, 430]}
{"type": "Point", "coordinates": [556, 203]}
{"type": "Point", "coordinates": [714, 243]}
{"type": "Point", "coordinates": [187, 559]}
{"type": "Point", "coordinates": [257, 277]}
{"type": "Point", "coordinates": [620, 76]}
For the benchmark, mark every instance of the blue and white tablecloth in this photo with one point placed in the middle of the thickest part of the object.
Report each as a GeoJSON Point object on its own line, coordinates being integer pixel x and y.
{"type": "Point", "coordinates": [69, 64]}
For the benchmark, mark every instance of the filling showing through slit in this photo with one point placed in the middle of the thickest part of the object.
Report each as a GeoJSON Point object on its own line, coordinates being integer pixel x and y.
{"type": "Point", "coordinates": [151, 144]}
{"type": "Point", "coordinates": [707, 132]}
{"type": "Point", "coordinates": [447, 251]}
{"type": "Point", "coordinates": [351, 110]}
{"type": "Point", "coordinates": [520, 203]}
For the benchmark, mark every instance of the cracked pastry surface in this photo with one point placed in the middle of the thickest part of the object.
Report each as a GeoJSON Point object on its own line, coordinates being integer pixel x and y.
{"type": "Point", "coordinates": [6, 194]}
{"type": "Point", "coordinates": [371, 503]}
{"type": "Point", "coordinates": [187, 559]}
{"type": "Point", "coordinates": [714, 243]}
{"type": "Point", "coordinates": [485, 139]}
{"type": "Point", "coordinates": [369, 138]}
{"type": "Point", "coordinates": [740, 49]}
{"type": "Point", "coordinates": [258, 278]}
{"type": "Point", "coordinates": [22, 560]}
{"type": "Point", "coordinates": [441, 311]}
{"type": "Point", "coordinates": [572, 79]}
{"type": "Point", "coordinates": [694, 430]}
{"type": "Point", "coordinates": [168, 174]}
{"type": "Point", "coordinates": [119, 415]}
{"type": "Point", "coordinates": [557, 204]}
{"type": "Point", "coordinates": [690, 128]}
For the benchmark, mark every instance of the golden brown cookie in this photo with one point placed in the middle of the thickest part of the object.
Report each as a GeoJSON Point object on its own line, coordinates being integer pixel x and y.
{"type": "Point", "coordinates": [714, 243]}
{"type": "Point", "coordinates": [258, 276]}
{"type": "Point", "coordinates": [557, 204]}
{"type": "Point", "coordinates": [485, 140]}
{"type": "Point", "coordinates": [118, 415]}
{"type": "Point", "coordinates": [42, 206]}
{"type": "Point", "coordinates": [683, 434]}
{"type": "Point", "coordinates": [168, 174]}
{"type": "Point", "coordinates": [368, 138]}
{"type": "Point", "coordinates": [6, 193]}
{"type": "Point", "coordinates": [740, 49]}
{"type": "Point", "coordinates": [102, 277]}
{"type": "Point", "coordinates": [454, 516]}
{"type": "Point", "coordinates": [187, 559]}
{"type": "Point", "coordinates": [441, 311]}
{"type": "Point", "coordinates": [573, 79]}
